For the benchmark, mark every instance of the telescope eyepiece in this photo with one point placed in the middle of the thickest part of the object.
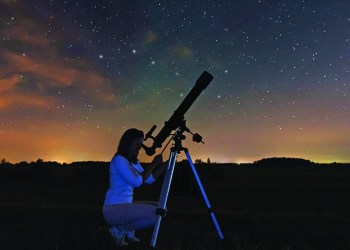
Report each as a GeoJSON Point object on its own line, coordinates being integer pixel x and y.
{"type": "Point", "coordinates": [149, 150]}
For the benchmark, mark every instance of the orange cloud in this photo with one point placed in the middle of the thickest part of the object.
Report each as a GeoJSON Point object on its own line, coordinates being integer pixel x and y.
{"type": "Point", "coordinates": [39, 55]}
{"type": "Point", "coordinates": [62, 73]}
{"type": "Point", "coordinates": [41, 67]}
{"type": "Point", "coordinates": [25, 100]}
{"type": "Point", "coordinates": [7, 84]}
{"type": "Point", "coordinates": [9, 96]}
{"type": "Point", "coordinates": [27, 32]}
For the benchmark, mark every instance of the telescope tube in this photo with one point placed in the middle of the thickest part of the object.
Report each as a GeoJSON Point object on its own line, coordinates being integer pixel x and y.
{"type": "Point", "coordinates": [178, 116]}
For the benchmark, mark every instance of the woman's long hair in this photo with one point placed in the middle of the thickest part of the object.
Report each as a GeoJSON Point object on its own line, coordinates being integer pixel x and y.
{"type": "Point", "coordinates": [125, 141]}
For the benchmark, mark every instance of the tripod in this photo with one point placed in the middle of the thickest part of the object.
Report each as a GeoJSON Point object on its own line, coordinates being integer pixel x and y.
{"type": "Point", "coordinates": [161, 210]}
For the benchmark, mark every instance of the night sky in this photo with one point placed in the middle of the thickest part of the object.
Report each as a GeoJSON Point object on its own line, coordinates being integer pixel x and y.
{"type": "Point", "coordinates": [74, 75]}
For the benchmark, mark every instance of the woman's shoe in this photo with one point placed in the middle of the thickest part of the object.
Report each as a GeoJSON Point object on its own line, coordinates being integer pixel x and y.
{"type": "Point", "coordinates": [118, 236]}
{"type": "Point", "coordinates": [130, 236]}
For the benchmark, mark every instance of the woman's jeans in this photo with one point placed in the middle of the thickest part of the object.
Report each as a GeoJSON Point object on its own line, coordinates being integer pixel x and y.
{"type": "Point", "coordinates": [130, 216]}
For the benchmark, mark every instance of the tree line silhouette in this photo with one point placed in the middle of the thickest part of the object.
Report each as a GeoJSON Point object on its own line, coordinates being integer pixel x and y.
{"type": "Point", "coordinates": [265, 162]}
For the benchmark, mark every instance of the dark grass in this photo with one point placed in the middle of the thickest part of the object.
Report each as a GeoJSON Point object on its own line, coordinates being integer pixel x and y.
{"type": "Point", "coordinates": [257, 208]}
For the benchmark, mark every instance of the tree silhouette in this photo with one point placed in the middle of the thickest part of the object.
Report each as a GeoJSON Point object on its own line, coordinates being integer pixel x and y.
{"type": "Point", "coordinates": [198, 161]}
{"type": "Point", "coordinates": [283, 162]}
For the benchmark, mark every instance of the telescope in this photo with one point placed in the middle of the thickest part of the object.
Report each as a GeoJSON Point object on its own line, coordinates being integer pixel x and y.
{"type": "Point", "coordinates": [178, 117]}
{"type": "Point", "coordinates": [177, 122]}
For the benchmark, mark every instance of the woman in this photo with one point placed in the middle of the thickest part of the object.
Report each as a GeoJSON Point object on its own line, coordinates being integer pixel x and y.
{"type": "Point", "coordinates": [120, 212]}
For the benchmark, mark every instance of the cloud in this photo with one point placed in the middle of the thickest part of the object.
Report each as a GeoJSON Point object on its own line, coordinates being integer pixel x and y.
{"type": "Point", "coordinates": [35, 68]}
{"type": "Point", "coordinates": [7, 84]}
{"type": "Point", "coordinates": [47, 76]}
{"type": "Point", "coordinates": [10, 97]}
{"type": "Point", "coordinates": [27, 31]}
{"type": "Point", "coordinates": [35, 101]}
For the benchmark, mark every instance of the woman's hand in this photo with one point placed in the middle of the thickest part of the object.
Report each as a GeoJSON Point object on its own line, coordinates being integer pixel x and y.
{"type": "Point", "coordinates": [158, 159]}
{"type": "Point", "coordinates": [159, 170]}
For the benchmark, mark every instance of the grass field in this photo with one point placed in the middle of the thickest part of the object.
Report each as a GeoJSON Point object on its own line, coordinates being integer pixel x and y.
{"type": "Point", "coordinates": [257, 208]}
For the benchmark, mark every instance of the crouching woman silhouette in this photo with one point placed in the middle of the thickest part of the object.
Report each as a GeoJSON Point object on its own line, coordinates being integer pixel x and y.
{"type": "Point", "coordinates": [126, 173]}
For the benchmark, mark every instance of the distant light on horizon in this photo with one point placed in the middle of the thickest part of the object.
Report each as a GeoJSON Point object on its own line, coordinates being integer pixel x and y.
{"type": "Point", "coordinates": [242, 161]}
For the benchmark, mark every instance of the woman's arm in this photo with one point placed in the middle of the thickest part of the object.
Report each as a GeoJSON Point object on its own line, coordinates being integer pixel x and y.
{"type": "Point", "coordinates": [158, 159]}
{"type": "Point", "coordinates": [159, 170]}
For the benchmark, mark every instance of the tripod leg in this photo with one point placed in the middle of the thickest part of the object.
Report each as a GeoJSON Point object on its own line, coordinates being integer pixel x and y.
{"type": "Point", "coordinates": [204, 195]}
{"type": "Point", "coordinates": [164, 195]}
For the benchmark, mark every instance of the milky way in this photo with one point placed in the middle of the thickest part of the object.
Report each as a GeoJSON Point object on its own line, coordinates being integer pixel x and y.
{"type": "Point", "coordinates": [74, 75]}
